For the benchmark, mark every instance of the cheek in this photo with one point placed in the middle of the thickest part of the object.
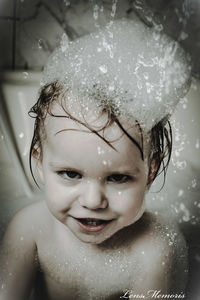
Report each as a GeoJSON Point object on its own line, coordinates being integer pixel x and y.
{"type": "Point", "coordinates": [128, 202]}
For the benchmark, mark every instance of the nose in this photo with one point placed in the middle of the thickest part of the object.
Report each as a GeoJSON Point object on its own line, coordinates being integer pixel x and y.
{"type": "Point", "coordinates": [93, 196]}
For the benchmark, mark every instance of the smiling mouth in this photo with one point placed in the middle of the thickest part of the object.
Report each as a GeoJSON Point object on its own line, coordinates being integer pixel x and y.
{"type": "Point", "coordinates": [92, 225]}
{"type": "Point", "coordinates": [93, 222]}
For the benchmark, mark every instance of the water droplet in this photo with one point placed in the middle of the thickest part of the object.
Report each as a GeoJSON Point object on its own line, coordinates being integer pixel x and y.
{"type": "Point", "coordinates": [111, 87]}
{"type": "Point", "coordinates": [180, 193]}
{"type": "Point", "coordinates": [2, 137]}
{"type": "Point", "coordinates": [139, 85]}
{"type": "Point", "coordinates": [103, 69]}
{"type": "Point", "coordinates": [114, 7]}
{"type": "Point", "coordinates": [184, 106]}
{"type": "Point", "coordinates": [197, 145]}
{"type": "Point", "coordinates": [104, 162]}
{"type": "Point", "coordinates": [25, 75]}
{"type": "Point", "coordinates": [100, 151]}
{"type": "Point", "coordinates": [96, 12]}
{"type": "Point", "coordinates": [21, 135]}
{"type": "Point", "coordinates": [181, 165]}
{"type": "Point", "coordinates": [67, 2]}
{"type": "Point", "coordinates": [21, 238]}
{"type": "Point", "coordinates": [194, 183]}
{"type": "Point", "coordinates": [183, 36]}
{"type": "Point", "coordinates": [40, 43]}
{"type": "Point", "coordinates": [64, 42]}
{"type": "Point", "coordinates": [186, 215]}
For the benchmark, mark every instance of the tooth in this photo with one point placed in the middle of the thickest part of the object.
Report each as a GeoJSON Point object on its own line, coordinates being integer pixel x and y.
{"type": "Point", "coordinates": [92, 223]}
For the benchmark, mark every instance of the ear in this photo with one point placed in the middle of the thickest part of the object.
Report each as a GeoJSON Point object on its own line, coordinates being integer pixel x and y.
{"type": "Point", "coordinates": [37, 157]}
{"type": "Point", "coordinates": [153, 169]}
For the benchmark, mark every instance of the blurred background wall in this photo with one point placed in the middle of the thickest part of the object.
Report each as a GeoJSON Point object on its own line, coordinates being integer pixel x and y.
{"type": "Point", "coordinates": [30, 29]}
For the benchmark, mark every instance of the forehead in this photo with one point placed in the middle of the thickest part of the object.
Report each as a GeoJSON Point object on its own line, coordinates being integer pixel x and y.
{"type": "Point", "coordinates": [91, 120]}
{"type": "Point", "coordinates": [68, 139]}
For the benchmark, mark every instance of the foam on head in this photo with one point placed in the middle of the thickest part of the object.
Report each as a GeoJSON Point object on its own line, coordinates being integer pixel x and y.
{"type": "Point", "coordinates": [138, 71]}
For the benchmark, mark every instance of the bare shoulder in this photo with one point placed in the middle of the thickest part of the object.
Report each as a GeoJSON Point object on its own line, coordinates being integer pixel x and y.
{"type": "Point", "coordinates": [162, 233]}
{"type": "Point", "coordinates": [26, 221]}
{"type": "Point", "coordinates": [163, 253]}
{"type": "Point", "coordinates": [18, 253]}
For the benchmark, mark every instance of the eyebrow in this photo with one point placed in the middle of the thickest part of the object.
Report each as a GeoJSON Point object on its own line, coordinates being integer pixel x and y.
{"type": "Point", "coordinates": [61, 164]}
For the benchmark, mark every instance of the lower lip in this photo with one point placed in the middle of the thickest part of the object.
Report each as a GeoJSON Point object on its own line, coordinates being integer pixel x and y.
{"type": "Point", "coordinates": [91, 228]}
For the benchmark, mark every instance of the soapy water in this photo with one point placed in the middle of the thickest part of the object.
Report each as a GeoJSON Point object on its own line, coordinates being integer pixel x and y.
{"type": "Point", "coordinates": [136, 70]}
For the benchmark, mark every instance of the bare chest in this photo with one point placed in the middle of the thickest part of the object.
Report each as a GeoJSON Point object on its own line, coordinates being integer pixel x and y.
{"type": "Point", "coordinates": [84, 274]}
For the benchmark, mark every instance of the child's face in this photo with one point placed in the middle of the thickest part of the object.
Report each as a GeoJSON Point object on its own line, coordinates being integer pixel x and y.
{"type": "Point", "coordinates": [86, 179]}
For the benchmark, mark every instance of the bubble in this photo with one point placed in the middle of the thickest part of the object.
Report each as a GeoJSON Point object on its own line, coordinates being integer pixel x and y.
{"type": "Point", "coordinates": [111, 87]}
{"type": "Point", "coordinates": [146, 75]}
{"type": "Point", "coordinates": [103, 69]}
{"type": "Point", "coordinates": [143, 75]}
{"type": "Point", "coordinates": [139, 85]}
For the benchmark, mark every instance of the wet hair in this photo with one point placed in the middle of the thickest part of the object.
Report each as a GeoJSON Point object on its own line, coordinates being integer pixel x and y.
{"type": "Point", "coordinates": [160, 136]}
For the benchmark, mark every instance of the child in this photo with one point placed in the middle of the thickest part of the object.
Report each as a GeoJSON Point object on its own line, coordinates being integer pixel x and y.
{"type": "Point", "coordinates": [101, 135]}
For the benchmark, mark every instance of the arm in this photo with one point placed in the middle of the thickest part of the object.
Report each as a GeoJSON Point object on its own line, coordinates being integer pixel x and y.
{"type": "Point", "coordinates": [17, 258]}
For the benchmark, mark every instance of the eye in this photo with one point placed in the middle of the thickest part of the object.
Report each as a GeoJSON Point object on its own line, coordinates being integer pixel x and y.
{"type": "Point", "coordinates": [68, 174]}
{"type": "Point", "coordinates": [119, 178]}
